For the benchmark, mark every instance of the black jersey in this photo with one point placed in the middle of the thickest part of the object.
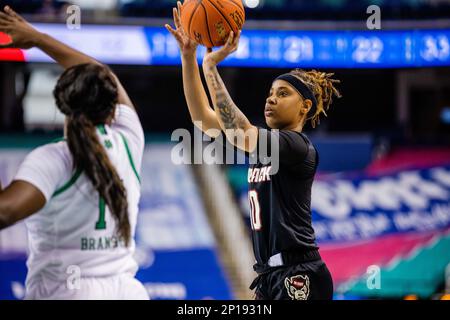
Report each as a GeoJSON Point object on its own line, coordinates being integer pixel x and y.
{"type": "Point", "coordinates": [280, 202]}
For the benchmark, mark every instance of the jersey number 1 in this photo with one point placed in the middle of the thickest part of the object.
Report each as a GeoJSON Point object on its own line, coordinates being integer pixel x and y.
{"type": "Point", "coordinates": [101, 223]}
{"type": "Point", "coordinates": [255, 210]}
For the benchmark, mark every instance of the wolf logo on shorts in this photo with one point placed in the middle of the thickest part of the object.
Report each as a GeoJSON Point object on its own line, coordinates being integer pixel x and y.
{"type": "Point", "coordinates": [297, 287]}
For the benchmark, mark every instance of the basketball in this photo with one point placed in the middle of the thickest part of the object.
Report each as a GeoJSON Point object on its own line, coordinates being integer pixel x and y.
{"type": "Point", "coordinates": [209, 22]}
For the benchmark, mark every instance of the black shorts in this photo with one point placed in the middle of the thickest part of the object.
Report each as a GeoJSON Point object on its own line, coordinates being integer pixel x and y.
{"type": "Point", "coordinates": [306, 281]}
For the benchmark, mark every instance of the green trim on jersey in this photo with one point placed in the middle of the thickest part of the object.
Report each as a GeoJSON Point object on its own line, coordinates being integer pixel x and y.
{"type": "Point", "coordinates": [130, 157]}
{"type": "Point", "coordinates": [70, 183]}
{"type": "Point", "coordinates": [102, 129]}
{"type": "Point", "coordinates": [61, 139]}
{"type": "Point", "coordinates": [78, 173]}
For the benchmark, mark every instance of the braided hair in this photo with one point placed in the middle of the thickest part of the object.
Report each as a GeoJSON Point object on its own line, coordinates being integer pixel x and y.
{"type": "Point", "coordinates": [322, 85]}
{"type": "Point", "coordinates": [87, 95]}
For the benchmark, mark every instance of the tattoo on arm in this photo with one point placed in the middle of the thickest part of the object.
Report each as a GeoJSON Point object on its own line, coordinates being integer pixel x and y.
{"type": "Point", "coordinates": [231, 116]}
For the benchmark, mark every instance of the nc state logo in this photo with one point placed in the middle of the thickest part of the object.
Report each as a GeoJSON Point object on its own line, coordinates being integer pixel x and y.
{"type": "Point", "coordinates": [297, 287]}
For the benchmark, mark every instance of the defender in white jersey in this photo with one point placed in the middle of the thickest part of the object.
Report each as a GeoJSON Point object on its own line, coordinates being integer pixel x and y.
{"type": "Point", "coordinates": [79, 195]}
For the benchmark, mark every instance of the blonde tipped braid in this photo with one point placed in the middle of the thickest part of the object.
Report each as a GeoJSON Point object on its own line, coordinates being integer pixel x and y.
{"type": "Point", "coordinates": [322, 86]}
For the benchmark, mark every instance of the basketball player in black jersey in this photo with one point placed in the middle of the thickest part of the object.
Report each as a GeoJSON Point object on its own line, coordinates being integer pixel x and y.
{"type": "Point", "coordinates": [288, 260]}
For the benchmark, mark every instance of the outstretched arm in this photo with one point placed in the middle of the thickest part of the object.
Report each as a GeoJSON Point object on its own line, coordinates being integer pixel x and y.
{"type": "Point", "coordinates": [238, 129]}
{"type": "Point", "coordinates": [201, 113]}
{"type": "Point", "coordinates": [24, 36]}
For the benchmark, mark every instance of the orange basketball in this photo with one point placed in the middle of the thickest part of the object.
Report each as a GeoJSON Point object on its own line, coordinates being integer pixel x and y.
{"type": "Point", "coordinates": [209, 22]}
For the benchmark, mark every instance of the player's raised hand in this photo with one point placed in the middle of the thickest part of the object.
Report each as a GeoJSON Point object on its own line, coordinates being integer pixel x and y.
{"type": "Point", "coordinates": [187, 46]}
{"type": "Point", "coordinates": [216, 57]}
{"type": "Point", "coordinates": [22, 34]}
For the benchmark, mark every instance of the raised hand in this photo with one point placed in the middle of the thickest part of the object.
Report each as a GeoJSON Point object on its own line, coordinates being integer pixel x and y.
{"type": "Point", "coordinates": [187, 46]}
{"type": "Point", "coordinates": [213, 58]}
{"type": "Point", "coordinates": [22, 34]}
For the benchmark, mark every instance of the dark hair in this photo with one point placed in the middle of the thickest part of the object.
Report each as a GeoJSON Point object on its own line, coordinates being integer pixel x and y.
{"type": "Point", "coordinates": [322, 85]}
{"type": "Point", "coordinates": [87, 94]}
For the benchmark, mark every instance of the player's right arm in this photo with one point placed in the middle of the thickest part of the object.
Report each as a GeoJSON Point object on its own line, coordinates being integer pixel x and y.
{"type": "Point", "coordinates": [196, 98]}
{"type": "Point", "coordinates": [19, 201]}
{"type": "Point", "coordinates": [24, 36]}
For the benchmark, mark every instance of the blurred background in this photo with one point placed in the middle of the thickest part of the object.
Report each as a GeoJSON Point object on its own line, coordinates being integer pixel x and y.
{"type": "Point", "coordinates": [381, 201]}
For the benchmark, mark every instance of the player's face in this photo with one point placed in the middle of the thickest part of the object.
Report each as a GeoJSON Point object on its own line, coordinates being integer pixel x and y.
{"type": "Point", "coordinates": [283, 106]}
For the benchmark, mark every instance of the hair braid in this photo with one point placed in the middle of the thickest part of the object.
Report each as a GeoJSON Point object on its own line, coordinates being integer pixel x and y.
{"type": "Point", "coordinates": [87, 95]}
{"type": "Point", "coordinates": [323, 87]}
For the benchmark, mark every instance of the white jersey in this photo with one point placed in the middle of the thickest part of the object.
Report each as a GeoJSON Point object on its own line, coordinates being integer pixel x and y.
{"type": "Point", "coordinates": [74, 234]}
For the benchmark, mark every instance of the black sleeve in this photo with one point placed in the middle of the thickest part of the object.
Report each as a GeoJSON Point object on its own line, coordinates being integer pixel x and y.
{"type": "Point", "coordinates": [291, 146]}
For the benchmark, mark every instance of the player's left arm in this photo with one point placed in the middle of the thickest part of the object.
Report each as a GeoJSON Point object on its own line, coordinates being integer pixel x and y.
{"type": "Point", "coordinates": [19, 201]}
{"type": "Point", "coordinates": [237, 128]}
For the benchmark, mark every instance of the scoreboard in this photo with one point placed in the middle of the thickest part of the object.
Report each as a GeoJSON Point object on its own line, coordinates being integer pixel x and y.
{"type": "Point", "coordinates": [137, 45]}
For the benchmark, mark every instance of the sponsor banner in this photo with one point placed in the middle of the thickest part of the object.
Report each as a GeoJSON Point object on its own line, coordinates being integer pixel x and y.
{"type": "Point", "coordinates": [361, 208]}
{"type": "Point", "coordinates": [347, 208]}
